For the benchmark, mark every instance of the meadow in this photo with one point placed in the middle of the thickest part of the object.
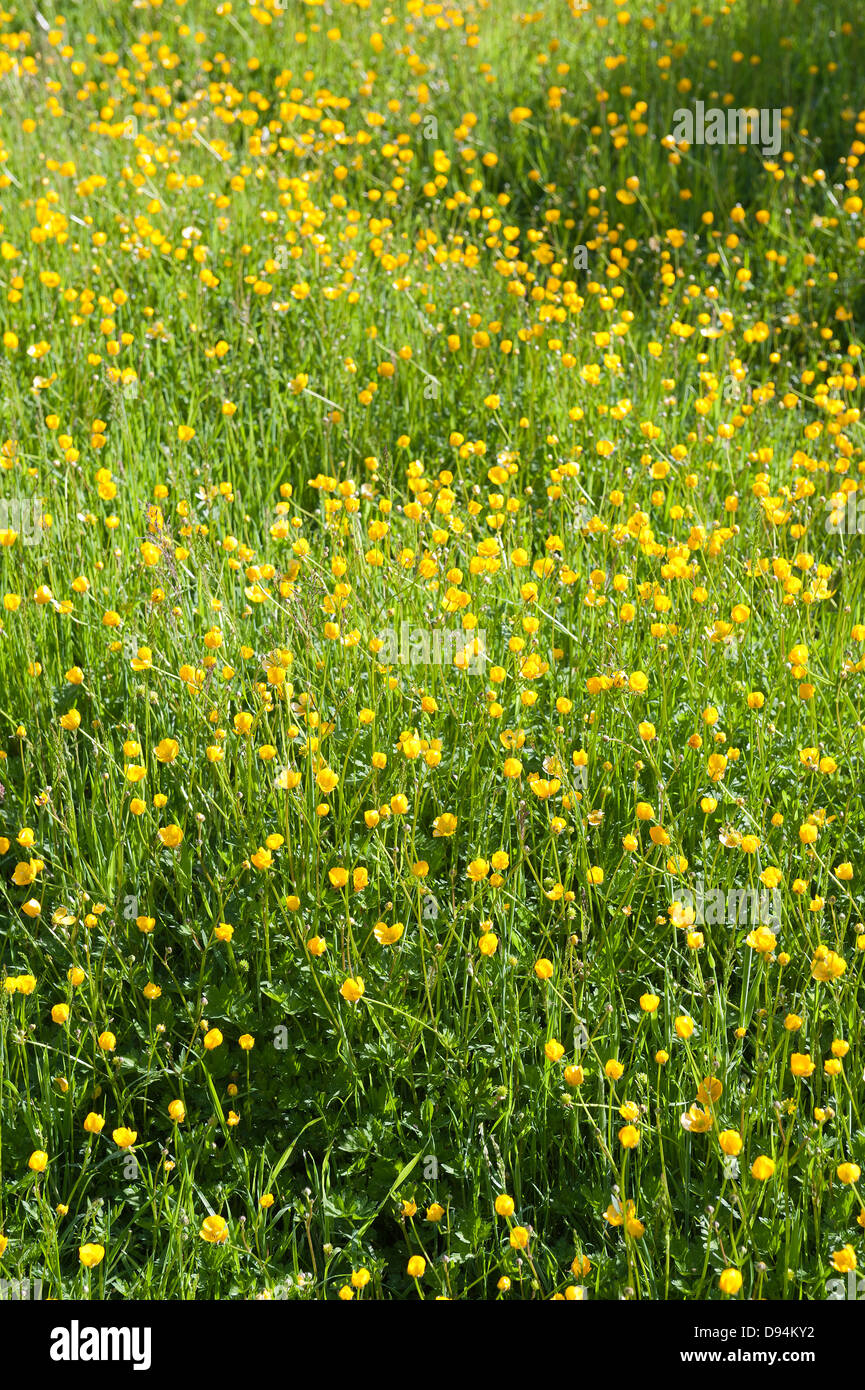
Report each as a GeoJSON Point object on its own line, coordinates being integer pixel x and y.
{"type": "Point", "coordinates": [431, 651]}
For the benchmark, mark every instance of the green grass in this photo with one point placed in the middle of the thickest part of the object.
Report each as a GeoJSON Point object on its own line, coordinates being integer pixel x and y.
{"type": "Point", "coordinates": [433, 419]}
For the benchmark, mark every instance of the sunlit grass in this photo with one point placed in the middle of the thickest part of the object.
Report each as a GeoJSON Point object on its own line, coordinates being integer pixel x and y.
{"type": "Point", "coordinates": [334, 967]}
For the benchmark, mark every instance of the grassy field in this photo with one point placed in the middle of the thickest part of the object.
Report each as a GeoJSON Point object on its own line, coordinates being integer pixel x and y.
{"type": "Point", "coordinates": [432, 650]}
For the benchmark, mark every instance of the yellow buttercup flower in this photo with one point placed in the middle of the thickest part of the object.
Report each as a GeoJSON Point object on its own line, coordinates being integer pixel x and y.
{"type": "Point", "coordinates": [730, 1141]}
{"type": "Point", "coordinates": [214, 1230]}
{"type": "Point", "coordinates": [171, 836]}
{"type": "Point", "coordinates": [801, 1064]}
{"type": "Point", "coordinates": [762, 1168]}
{"type": "Point", "coordinates": [844, 1260]}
